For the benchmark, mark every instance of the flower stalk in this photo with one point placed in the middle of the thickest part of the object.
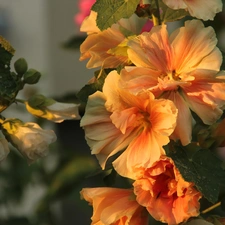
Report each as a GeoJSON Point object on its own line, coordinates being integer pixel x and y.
{"type": "Point", "coordinates": [211, 208]}
{"type": "Point", "coordinates": [156, 17]}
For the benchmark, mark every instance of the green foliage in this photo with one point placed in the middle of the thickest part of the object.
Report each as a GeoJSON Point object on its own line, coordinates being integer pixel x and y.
{"type": "Point", "coordinates": [111, 11]}
{"type": "Point", "coordinates": [167, 14]}
{"type": "Point", "coordinates": [15, 174]}
{"type": "Point", "coordinates": [91, 88]}
{"type": "Point", "coordinates": [200, 166]}
{"type": "Point", "coordinates": [8, 82]}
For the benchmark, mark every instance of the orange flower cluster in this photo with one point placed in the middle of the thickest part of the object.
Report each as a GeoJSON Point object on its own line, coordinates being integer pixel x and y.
{"type": "Point", "coordinates": [144, 106]}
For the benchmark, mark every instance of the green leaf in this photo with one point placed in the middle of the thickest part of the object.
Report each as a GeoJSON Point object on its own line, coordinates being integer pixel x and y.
{"type": "Point", "coordinates": [111, 11]}
{"type": "Point", "coordinates": [167, 14]}
{"type": "Point", "coordinates": [91, 88]}
{"type": "Point", "coordinates": [202, 168]}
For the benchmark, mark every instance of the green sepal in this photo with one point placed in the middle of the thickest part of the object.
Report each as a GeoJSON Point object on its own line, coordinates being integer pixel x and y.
{"type": "Point", "coordinates": [31, 76]}
{"type": "Point", "coordinates": [91, 88]}
{"type": "Point", "coordinates": [20, 66]}
{"type": "Point", "coordinates": [39, 101]}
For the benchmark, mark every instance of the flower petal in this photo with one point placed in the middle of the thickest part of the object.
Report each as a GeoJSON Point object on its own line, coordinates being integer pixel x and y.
{"type": "Point", "coordinates": [195, 48]}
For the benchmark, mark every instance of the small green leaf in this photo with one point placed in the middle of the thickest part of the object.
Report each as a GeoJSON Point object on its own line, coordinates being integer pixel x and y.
{"type": "Point", "coordinates": [202, 168]}
{"type": "Point", "coordinates": [111, 11]}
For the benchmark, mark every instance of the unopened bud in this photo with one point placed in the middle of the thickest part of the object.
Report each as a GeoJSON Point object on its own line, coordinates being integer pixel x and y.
{"type": "Point", "coordinates": [32, 76]}
{"type": "Point", "coordinates": [20, 66]}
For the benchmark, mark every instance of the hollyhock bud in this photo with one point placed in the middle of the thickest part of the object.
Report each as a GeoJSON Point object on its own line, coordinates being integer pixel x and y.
{"type": "Point", "coordinates": [29, 138]}
{"type": "Point", "coordinates": [32, 76]}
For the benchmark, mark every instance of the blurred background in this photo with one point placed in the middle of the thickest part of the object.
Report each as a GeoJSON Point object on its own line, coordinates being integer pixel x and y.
{"type": "Point", "coordinates": [47, 191]}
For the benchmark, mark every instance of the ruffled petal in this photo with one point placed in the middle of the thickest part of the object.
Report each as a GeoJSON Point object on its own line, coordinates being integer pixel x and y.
{"type": "Point", "coordinates": [143, 151]}
{"type": "Point", "coordinates": [151, 49]}
{"type": "Point", "coordinates": [194, 47]}
{"type": "Point", "coordinates": [114, 206]}
{"type": "Point", "coordinates": [206, 95]}
{"type": "Point", "coordinates": [136, 79]}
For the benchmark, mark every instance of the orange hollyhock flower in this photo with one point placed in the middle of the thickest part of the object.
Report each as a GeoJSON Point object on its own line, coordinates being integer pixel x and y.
{"type": "Point", "coordinates": [108, 48]}
{"type": "Point", "coordinates": [114, 206]}
{"type": "Point", "coordinates": [182, 67]}
{"type": "Point", "coordinates": [116, 120]}
{"type": "Point", "coordinates": [165, 194]}
{"type": "Point", "coordinates": [201, 9]}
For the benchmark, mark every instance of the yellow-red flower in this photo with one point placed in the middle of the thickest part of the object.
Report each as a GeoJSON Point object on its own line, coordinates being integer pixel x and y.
{"type": "Point", "coordinates": [108, 48]}
{"type": "Point", "coordinates": [182, 67]}
{"type": "Point", "coordinates": [201, 9]}
{"type": "Point", "coordinates": [114, 206]}
{"type": "Point", "coordinates": [165, 194]}
{"type": "Point", "coordinates": [116, 120]}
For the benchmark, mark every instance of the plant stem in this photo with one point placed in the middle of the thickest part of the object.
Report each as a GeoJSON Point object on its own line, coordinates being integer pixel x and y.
{"type": "Point", "coordinates": [20, 100]}
{"type": "Point", "coordinates": [156, 17]}
{"type": "Point", "coordinates": [1, 120]}
{"type": "Point", "coordinates": [211, 208]}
